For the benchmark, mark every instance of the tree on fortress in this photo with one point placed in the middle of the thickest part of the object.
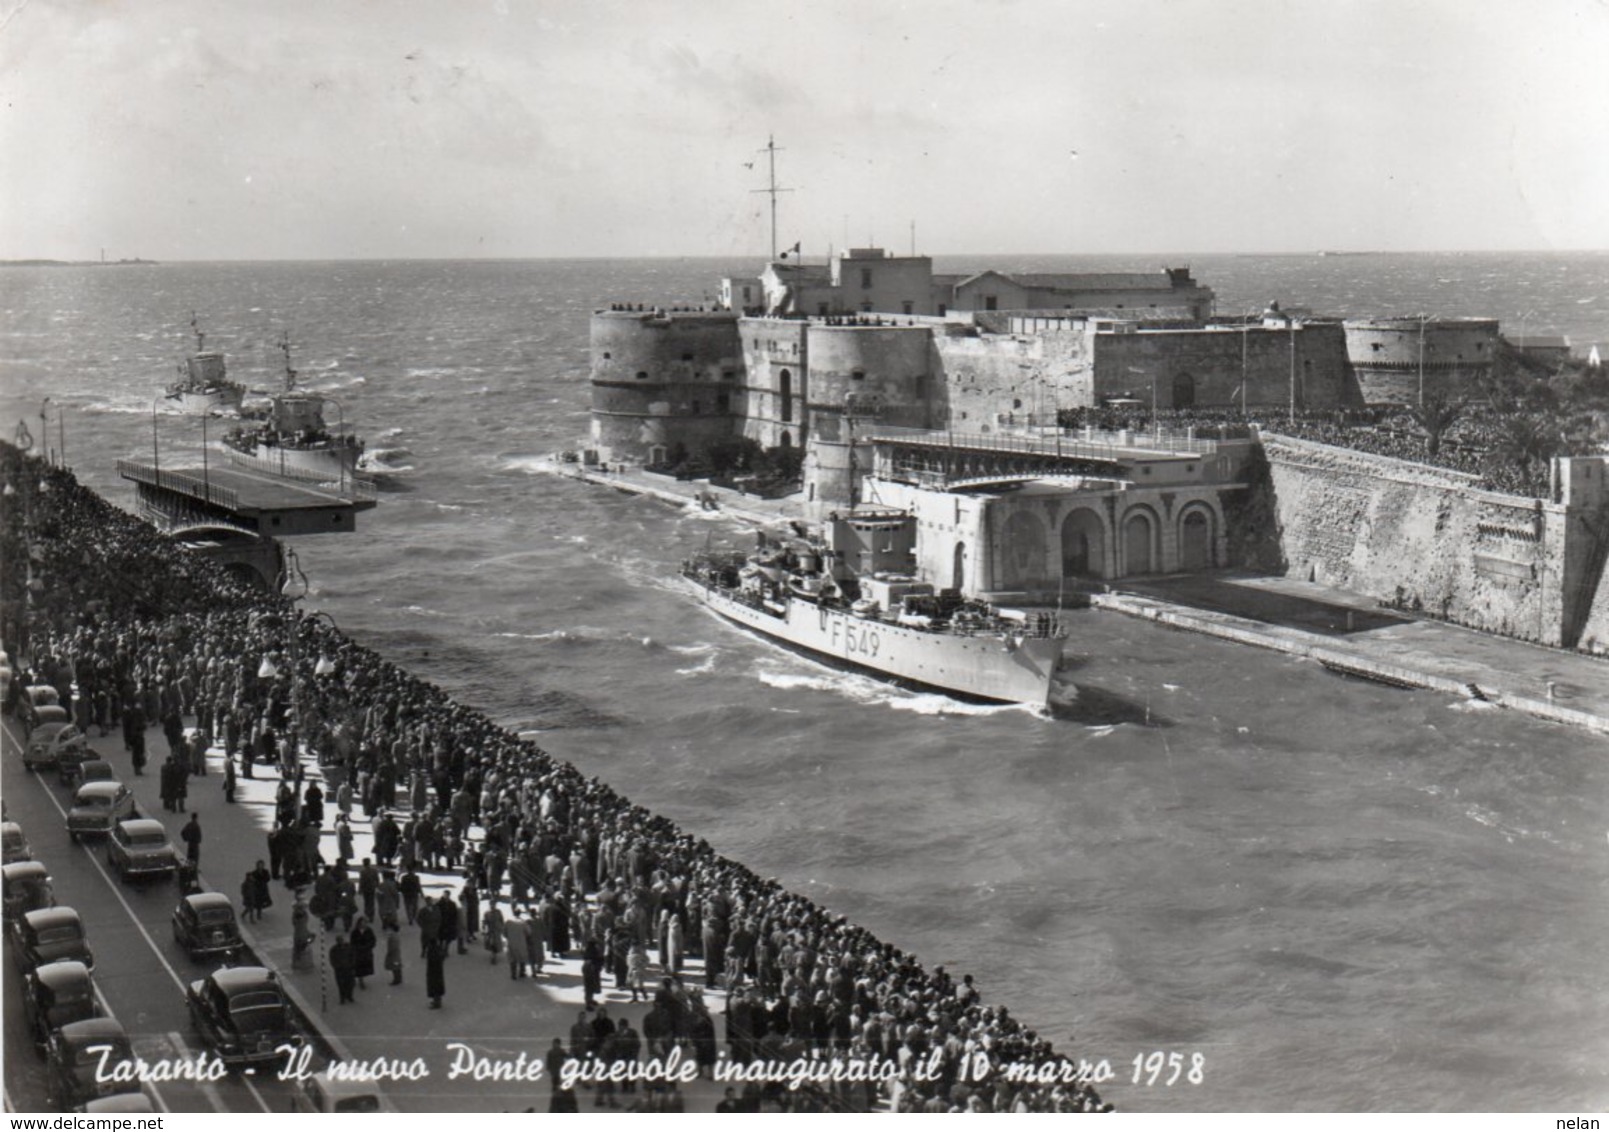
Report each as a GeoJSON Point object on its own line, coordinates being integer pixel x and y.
{"type": "Point", "coordinates": [1441, 403]}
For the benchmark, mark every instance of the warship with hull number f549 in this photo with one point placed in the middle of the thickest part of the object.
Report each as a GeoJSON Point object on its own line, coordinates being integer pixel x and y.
{"type": "Point", "coordinates": [812, 594]}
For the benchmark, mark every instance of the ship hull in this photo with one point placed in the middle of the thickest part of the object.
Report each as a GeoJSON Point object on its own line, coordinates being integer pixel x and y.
{"type": "Point", "coordinates": [328, 463]}
{"type": "Point", "coordinates": [1015, 670]}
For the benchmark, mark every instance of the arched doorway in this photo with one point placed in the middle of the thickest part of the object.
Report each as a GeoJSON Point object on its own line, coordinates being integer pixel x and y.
{"type": "Point", "coordinates": [1184, 391]}
{"type": "Point", "coordinates": [1022, 551]}
{"type": "Point", "coordinates": [1083, 545]}
{"type": "Point", "coordinates": [958, 574]}
{"type": "Point", "coordinates": [787, 439]}
{"type": "Point", "coordinates": [1196, 540]}
{"type": "Point", "coordinates": [1137, 543]}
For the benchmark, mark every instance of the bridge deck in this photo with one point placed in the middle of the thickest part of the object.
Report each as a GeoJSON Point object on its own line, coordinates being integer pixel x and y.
{"type": "Point", "coordinates": [246, 492]}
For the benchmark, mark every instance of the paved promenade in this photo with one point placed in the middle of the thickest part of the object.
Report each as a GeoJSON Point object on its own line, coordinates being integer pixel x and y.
{"type": "Point", "coordinates": [484, 1009]}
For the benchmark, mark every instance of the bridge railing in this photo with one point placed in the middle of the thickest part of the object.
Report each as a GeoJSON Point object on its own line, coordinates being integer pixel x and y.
{"type": "Point", "coordinates": [180, 482]}
{"type": "Point", "coordinates": [358, 487]}
{"type": "Point", "coordinates": [1089, 442]}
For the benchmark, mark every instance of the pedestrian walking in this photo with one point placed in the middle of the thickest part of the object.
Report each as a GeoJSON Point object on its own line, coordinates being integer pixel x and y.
{"type": "Point", "coordinates": [436, 973]}
{"type": "Point", "coordinates": [191, 835]}
{"type": "Point", "coordinates": [492, 932]}
{"type": "Point", "coordinates": [514, 933]}
{"type": "Point", "coordinates": [393, 951]}
{"type": "Point", "coordinates": [228, 779]}
{"type": "Point", "coordinates": [343, 966]}
{"type": "Point", "coordinates": [363, 945]}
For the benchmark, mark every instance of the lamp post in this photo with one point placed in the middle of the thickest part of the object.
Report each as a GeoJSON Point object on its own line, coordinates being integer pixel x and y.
{"type": "Point", "coordinates": [1423, 318]}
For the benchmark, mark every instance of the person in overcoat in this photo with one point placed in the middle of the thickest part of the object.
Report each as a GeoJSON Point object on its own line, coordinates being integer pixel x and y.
{"type": "Point", "coordinates": [363, 945]}
{"type": "Point", "coordinates": [343, 967]}
{"type": "Point", "coordinates": [436, 973]}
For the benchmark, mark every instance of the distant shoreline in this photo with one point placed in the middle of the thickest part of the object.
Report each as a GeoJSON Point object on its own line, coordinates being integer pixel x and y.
{"type": "Point", "coordinates": [78, 263]}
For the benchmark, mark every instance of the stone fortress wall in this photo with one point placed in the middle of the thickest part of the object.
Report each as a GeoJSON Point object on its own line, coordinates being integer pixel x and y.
{"type": "Point", "coordinates": [1425, 538]}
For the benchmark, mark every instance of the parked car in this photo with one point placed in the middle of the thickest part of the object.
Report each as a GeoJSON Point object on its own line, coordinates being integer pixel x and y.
{"type": "Point", "coordinates": [98, 807]}
{"type": "Point", "coordinates": [36, 698]}
{"type": "Point", "coordinates": [49, 934]}
{"type": "Point", "coordinates": [75, 1053]}
{"type": "Point", "coordinates": [49, 742]}
{"type": "Point", "coordinates": [94, 770]}
{"type": "Point", "coordinates": [55, 995]}
{"type": "Point", "coordinates": [16, 847]}
{"type": "Point", "coordinates": [242, 1015]}
{"type": "Point", "coordinates": [321, 1093]}
{"type": "Point", "coordinates": [26, 888]}
{"type": "Point", "coordinates": [139, 848]}
{"type": "Point", "coordinates": [204, 924]}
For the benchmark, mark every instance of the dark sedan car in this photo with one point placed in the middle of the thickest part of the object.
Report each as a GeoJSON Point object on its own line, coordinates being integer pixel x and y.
{"type": "Point", "coordinates": [138, 848]}
{"type": "Point", "coordinates": [76, 1052]}
{"type": "Point", "coordinates": [242, 1015]}
{"type": "Point", "coordinates": [204, 924]}
{"type": "Point", "coordinates": [55, 995]}
{"type": "Point", "coordinates": [16, 845]}
{"type": "Point", "coordinates": [51, 934]}
{"type": "Point", "coordinates": [26, 887]}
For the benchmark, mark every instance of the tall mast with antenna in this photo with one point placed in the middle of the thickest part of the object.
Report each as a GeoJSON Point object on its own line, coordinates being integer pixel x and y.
{"type": "Point", "coordinates": [771, 150]}
{"type": "Point", "coordinates": [290, 374]}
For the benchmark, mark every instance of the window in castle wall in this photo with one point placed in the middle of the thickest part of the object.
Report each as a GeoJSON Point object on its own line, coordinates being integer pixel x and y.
{"type": "Point", "coordinates": [687, 357]}
{"type": "Point", "coordinates": [642, 375]}
{"type": "Point", "coordinates": [910, 307]}
{"type": "Point", "coordinates": [858, 375]}
{"type": "Point", "coordinates": [606, 355]}
{"type": "Point", "coordinates": [865, 278]}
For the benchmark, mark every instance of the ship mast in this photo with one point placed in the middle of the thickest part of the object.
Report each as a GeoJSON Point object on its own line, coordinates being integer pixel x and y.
{"type": "Point", "coordinates": [771, 150]}
{"type": "Point", "coordinates": [290, 374]}
{"type": "Point", "coordinates": [195, 327]}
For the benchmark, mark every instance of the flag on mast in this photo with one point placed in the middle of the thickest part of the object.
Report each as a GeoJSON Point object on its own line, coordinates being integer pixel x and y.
{"type": "Point", "coordinates": [795, 250]}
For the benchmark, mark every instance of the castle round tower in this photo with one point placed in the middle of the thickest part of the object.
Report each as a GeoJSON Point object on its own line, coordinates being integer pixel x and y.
{"type": "Point", "coordinates": [663, 382]}
{"type": "Point", "coordinates": [860, 377]}
{"type": "Point", "coordinates": [1389, 355]}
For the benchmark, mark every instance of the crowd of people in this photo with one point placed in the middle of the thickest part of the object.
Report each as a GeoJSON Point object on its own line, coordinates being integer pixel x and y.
{"type": "Point", "coordinates": [135, 630]}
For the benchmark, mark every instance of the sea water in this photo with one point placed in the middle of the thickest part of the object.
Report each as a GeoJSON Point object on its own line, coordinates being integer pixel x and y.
{"type": "Point", "coordinates": [1341, 896]}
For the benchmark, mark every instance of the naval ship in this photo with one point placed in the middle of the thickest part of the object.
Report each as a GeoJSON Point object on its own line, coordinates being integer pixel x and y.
{"type": "Point", "coordinates": [291, 438]}
{"type": "Point", "coordinates": [818, 595]}
{"type": "Point", "coordinates": [202, 386]}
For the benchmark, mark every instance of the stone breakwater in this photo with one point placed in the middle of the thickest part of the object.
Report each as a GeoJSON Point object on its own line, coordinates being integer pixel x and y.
{"type": "Point", "coordinates": [142, 627]}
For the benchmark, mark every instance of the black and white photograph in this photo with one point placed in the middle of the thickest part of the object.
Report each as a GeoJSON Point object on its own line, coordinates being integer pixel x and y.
{"type": "Point", "coordinates": [961, 556]}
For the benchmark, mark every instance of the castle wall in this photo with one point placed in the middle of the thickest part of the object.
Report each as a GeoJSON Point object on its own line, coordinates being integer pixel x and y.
{"type": "Point", "coordinates": [772, 411]}
{"type": "Point", "coordinates": [1206, 367]}
{"type": "Point", "coordinates": [1426, 538]}
{"type": "Point", "coordinates": [859, 376]}
{"type": "Point", "coordinates": [1386, 353]}
{"type": "Point", "coordinates": [994, 381]}
{"type": "Point", "coordinates": [662, 380]}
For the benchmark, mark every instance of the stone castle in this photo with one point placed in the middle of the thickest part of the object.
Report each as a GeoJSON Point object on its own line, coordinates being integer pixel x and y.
{"type": "Point", "coordinates": [937, 395]}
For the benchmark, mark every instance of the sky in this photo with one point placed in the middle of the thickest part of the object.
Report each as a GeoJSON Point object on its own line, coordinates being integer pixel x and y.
{"type": "Point", "coordinates": [382, 129]}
